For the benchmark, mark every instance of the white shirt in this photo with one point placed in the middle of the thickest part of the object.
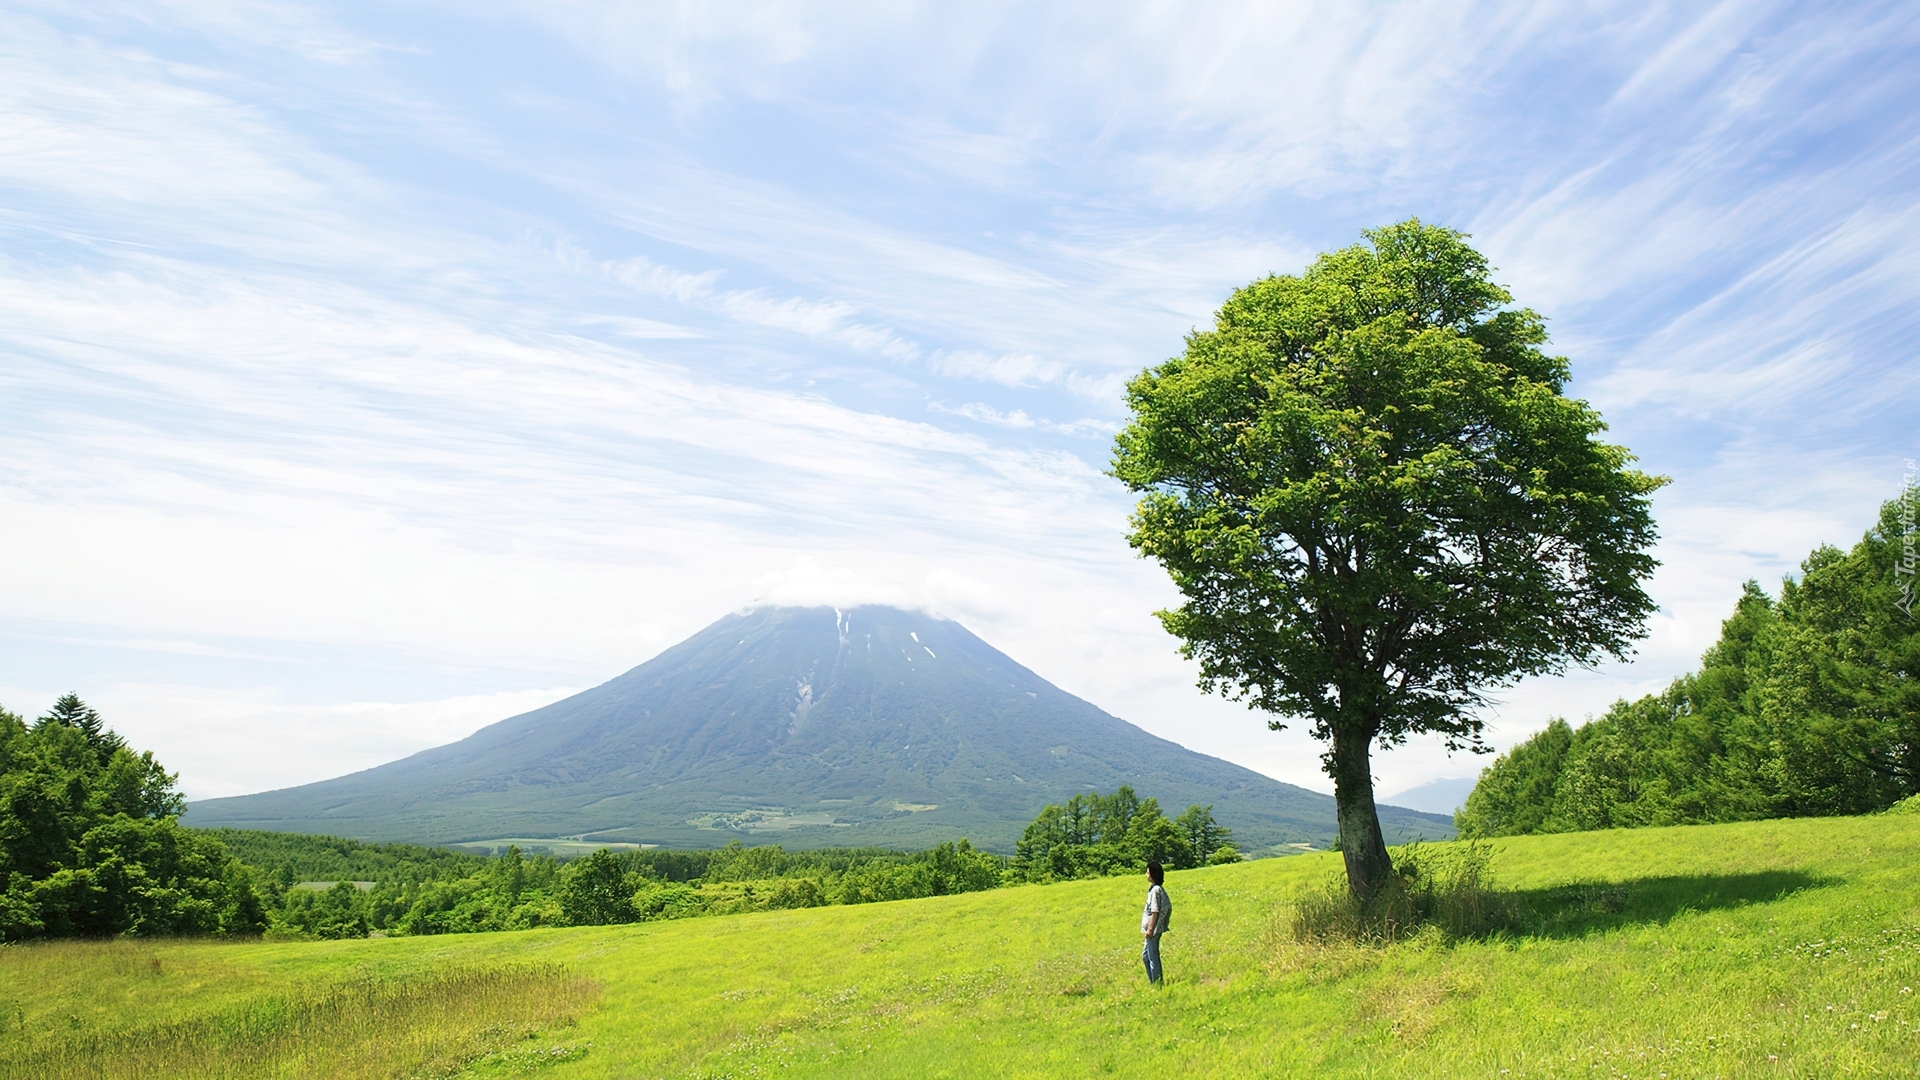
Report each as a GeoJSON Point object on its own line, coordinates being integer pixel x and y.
{"type": "Point", "coordinates": [1151, 920]}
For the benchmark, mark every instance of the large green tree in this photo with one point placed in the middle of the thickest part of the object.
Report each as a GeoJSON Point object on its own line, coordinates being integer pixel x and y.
{"type": "Point", "coordinates": [1378, 504]}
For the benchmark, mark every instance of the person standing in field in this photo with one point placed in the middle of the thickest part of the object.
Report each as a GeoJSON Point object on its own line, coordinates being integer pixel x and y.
{"type": "Point", "coordinates": [1154, 919]}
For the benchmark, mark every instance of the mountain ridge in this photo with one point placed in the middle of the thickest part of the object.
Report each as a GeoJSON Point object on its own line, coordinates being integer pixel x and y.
{"type": "Point", "coordinates": [809, 726]}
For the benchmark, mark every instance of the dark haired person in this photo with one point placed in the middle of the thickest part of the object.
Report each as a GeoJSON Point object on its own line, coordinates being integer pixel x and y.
{"type": "Point", "coordinates": [1153, 920]}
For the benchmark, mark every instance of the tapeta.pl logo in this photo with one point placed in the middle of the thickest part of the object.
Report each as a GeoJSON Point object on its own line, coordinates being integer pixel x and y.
{"type": "Point", "coordinates": [1903, 569]}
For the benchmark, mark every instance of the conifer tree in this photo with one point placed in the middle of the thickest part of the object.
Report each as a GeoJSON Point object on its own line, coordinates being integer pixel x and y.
{"type": "Point", "coordinates": [78, 715]}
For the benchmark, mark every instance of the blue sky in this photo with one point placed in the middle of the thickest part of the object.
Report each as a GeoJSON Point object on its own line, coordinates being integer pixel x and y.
{"type": "Point", "coordinates": [373, 372]}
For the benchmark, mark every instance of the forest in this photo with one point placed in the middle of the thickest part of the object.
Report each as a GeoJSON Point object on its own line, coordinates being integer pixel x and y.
{"type": "Point", "coordinates": [91, 846]}
{"type": "Point", "coordinates": [1808, 705]}
{"type": "Point", "coordinates": [403, 889]}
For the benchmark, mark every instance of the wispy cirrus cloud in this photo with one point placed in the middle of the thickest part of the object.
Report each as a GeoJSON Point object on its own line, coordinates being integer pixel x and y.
{"type": "Point", "coordinates": [981, 412]}
{"type": "Point", "coordinates": [508, 345]}
{"type": "Point", "coordinates": [830, 320]}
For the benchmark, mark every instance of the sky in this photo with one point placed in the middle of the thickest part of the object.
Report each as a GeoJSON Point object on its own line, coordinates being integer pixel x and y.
{"type": "Point", "coordinates": [373, 372]}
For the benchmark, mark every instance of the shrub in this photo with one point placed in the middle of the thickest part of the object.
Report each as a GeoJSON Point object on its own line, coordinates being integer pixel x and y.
{"type": "Point", "coordinates": [1448, 887]}
{"type": "Point", "coordinates": [669, 900]}
{"type": "Point", "coordinates": [328, 914]}
{"type": "Point", "coordinates": [597, 890]}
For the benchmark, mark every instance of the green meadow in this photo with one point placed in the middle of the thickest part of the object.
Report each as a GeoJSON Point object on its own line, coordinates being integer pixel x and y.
{"type": "Point", "coordinates": [1775, 948]}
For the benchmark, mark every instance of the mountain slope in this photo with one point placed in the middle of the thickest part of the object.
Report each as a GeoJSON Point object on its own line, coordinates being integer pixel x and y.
{"type": "Point", "coordinates": [803, 725]}
{"type": "Point", "coordinates": [1442, 796]}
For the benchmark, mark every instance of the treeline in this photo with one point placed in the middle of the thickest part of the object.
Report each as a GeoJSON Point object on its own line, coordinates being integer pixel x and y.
{"type": "Point", "coordinates": [1808, 705]}
{"type": "Point", "coordinates": [91, 844]}
{"type": "Point", "coordinates": [516, 892]}
{"type": "Point", "coordinates": [1090, 835]}
{"type": "Point", "coordinates": [1096, 835]}
{"type": "Point", "coordinates": [305, 857]}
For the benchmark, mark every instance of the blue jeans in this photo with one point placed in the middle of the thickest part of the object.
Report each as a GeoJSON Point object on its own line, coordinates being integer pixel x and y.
{"type": "Point", "coordinates": [1150, 956]}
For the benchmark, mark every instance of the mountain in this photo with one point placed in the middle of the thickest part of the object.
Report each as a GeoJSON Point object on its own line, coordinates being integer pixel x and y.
{"type": "Point", "coordinates": [805, 726]}
{"type": "Point", "coordinates": [1442, 796]}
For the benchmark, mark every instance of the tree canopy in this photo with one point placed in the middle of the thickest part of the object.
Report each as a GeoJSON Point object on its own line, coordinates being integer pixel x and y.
{"type": "Point", "coordinates": [90, 844]}
{"type": "Point", "coordinates": [401, 889]}
{"type": "Point", "coordinates": [1808, 705]}
{"type": "Point", "coordinates": [1093, 835]}
{"type": "Point", "coordinates": [1378, 503]}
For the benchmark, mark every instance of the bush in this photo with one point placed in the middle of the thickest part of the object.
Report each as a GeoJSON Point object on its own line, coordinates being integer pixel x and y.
{"type": "Point", "coordinates": [1448, 887]}
{"type": "Point", "coordinates": [412, 894]}
{"type": "Point", "coordinates": [327, 914]}
{"type": "Point", "coordinates": [877, 881]}
{"type": "Point", "coordinates": [1224, 855]}
{"type": "Point", "coordinates": [597, 890]}
{"type": "Point", "coordinates": [508, 893]}
{"type": "Point", "coordinates": [669, 900]}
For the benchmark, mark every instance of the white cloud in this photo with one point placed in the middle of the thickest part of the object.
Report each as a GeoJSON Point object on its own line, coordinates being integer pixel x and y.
{"type": "Point", "coordinates": [1772, 343]}
{"type": "Point", "coordinates": [982, 413]}
{"type": "Point", "coordinates": [255, 741]}
{"type": "Point", "coordinates": [823, 320]}
{"type": "Point", "coordinates": [1009, 369]}
{"type": "Point", "coordinates": [987, 414]}
{"type": "Point", "coordinates": [1690, 56]}
{"type": "Point", "coordinates": [292, 355]}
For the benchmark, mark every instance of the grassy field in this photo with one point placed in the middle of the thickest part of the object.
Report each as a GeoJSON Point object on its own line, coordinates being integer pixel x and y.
{"type": "Point", "coordinates": [1765, 949]}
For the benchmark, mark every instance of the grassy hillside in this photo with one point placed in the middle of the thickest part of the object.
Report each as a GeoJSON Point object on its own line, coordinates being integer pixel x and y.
{"type": "Point", "coordinates": [1780, 948]}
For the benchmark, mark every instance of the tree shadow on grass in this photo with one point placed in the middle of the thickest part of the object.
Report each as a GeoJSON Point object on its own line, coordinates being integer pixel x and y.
{"type": "Point", "coordinates": [1572, 911]}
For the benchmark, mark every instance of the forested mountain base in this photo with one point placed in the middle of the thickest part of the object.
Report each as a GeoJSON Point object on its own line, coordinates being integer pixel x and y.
{"type": "Point", "coordinates": [370, 889]}
{"type": "Point", "coordinates": [333, 858]}
{"type": "Point", "coordinates": [91, 846]}
{"type": "Point", "coordinates": [512, 892]}
{"type": "Point", "coordinates": [1809, 705]}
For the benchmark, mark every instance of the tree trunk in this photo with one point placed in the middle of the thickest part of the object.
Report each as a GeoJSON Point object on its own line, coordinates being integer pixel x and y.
{"type": "Point", "coordinates": [1361, 844]}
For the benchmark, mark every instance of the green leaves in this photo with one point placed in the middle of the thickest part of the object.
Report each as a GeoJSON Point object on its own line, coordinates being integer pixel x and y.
{"type": "Point", "coordinates": [1095, 835]}
{"type": "Point", "coordinates": [73, 713]}
{"type": "Point", "coordinates": [1375, 500]}
{"type": "Point", "coordinates": [1806, 706]}
{"type": "Point", "coordinates": [89, 844]}
{"type": "Point", "coordinates": [1206, 837]}
{"type": "Point", "coordinates": [1377, 504]}
{"type": "Point", "coordinates": [598, 890]}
